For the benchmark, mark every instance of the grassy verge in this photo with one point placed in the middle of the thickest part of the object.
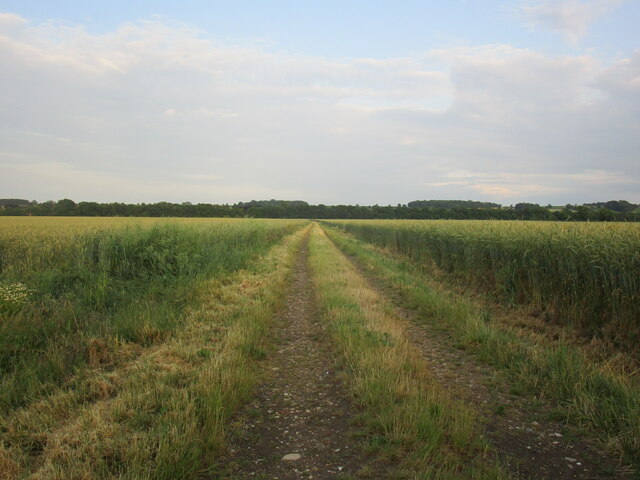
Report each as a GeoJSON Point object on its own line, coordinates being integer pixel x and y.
{"type": "Point", "coordinates": [71, 299]}
{"type": "Point", "coordinates": [408, 416]}
{"type": "Point", "coordinates": [591, 394]}
{"type": "Point", "coordinates": [163, 414]}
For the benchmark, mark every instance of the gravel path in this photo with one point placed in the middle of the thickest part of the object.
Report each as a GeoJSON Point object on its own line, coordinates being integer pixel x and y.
{"type": "Point", "coordinates": [297, 427]}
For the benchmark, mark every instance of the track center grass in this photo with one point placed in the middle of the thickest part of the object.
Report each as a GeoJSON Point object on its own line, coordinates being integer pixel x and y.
{"type": "Point", "coordinates": [408, 416]}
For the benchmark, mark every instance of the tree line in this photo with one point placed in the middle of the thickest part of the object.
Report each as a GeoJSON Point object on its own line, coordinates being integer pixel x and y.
{"type": "Point", "coordinates": [451, 209]}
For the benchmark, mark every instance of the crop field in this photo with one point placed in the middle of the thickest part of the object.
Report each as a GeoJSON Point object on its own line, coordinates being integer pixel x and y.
{"type": "Point", "coordinates": [239, 348]}
{"type": "Point", "coordinates": [585, 275]}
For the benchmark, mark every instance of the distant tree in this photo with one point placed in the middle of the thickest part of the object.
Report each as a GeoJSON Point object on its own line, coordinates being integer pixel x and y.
{"type": "Point", "coordinates": [583, 214]}
{"type": "Point", "coordinates": [89, 209]}
{"type": "Point", "coordinates": [523, 206]}
{"type": "Point", "coordinates": [65, 207]}
{"type": "Point", "coordinates": [14, 202]}
{"type": "Point", "coordinates": [452, 204]}
{"type": "Point", "coordinates": [621, 206]}
{"type": "Point", "coordinates": [605, 215]}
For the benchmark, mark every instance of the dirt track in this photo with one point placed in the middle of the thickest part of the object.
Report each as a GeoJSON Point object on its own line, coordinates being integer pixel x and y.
{"type": "Point", "coordinates": [302, 411]}
{"type": "Point", "coordinates": [301, 408]}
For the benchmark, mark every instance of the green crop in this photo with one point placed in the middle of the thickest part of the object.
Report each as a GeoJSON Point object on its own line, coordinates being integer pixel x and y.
{"type": "Point", "coordinates": [584, 275]}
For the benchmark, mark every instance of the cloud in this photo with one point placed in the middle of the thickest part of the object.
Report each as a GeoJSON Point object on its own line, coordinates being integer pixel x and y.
{"type": "Point", "coordinates": [10, 23]}
{"type": "Point", "coordinates": [571, 18]}
{"type": "Point", "coordinates": [202, 176]}
{"type": "Point", "coordinates": [156, 110]}
{"type": "Point", "coordinates": [523, 186]}
{"type": "Point", "coordinates": [50, 178]}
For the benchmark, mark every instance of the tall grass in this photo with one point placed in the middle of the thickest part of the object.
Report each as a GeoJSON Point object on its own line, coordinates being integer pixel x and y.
{"type": "Point", "coordinates": [584, 275]}
{"type": "Point", "coordinates": [97, 283]}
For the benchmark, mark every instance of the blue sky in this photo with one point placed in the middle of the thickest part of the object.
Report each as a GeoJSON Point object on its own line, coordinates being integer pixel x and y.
{"type": "Point", "coordinates": [332, 102]}
{"type": "Point", "coordinates": [339, 29]}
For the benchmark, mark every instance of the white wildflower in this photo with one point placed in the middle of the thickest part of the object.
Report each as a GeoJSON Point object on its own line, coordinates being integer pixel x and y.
{"type": "Point", "coordinates": [13, 296]}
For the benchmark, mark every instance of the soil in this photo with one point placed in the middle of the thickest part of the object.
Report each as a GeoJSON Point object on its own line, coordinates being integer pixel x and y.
{"type": "Point", "coordinates": [301, 410]}
{"type": "Point", "coordinates": [527, 442]}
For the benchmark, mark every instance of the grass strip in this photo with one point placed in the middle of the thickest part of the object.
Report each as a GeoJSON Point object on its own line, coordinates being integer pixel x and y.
{"type": "Point", "coordinates": [407, 415]}
{"type": "Point", "coordinates": [165, 414]}
{"type": "Point", "coordinates": [592, 394]}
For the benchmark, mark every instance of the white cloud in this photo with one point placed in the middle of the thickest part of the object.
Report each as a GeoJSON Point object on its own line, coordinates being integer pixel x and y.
{"type": "Point", "coordinates": [10, 23]}
{"type": "Point", "coordinates": [156, 110]}
{"type": "Point", "coordinates": [571, 18]}
{"type": "Point", "coordinates": [202, 176]}
{"type": "Point", "coordinates": [531, 185]}
{"type": "Point", "coordinates": [51, 178]}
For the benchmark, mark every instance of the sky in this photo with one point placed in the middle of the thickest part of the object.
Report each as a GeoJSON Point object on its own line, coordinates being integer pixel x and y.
{"type": "Point", "coordinates": [334, 102]}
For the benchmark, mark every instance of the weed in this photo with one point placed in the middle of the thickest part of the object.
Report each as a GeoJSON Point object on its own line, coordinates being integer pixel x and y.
{"type": "Point", "coordinates": [499, 409]}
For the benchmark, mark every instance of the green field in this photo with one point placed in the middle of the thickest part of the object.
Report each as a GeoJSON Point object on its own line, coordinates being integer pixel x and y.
{"type": "Point", "coordinates": [129, 346]}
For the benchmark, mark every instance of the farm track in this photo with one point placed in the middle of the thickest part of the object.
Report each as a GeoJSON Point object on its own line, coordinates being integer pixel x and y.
{"type": "Point", "coordinates": [529, 444]}
{"type": "Point", "coordinates": [302, 407]}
